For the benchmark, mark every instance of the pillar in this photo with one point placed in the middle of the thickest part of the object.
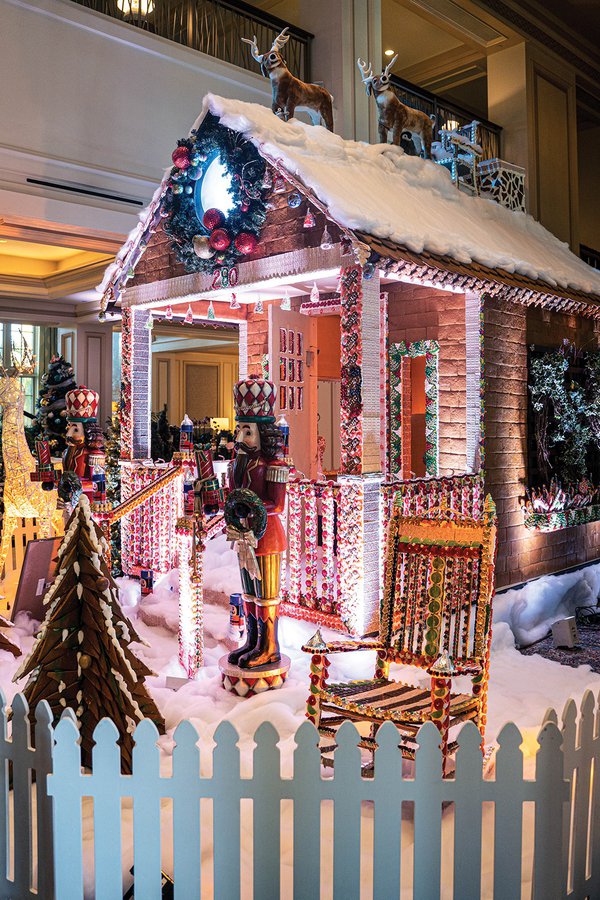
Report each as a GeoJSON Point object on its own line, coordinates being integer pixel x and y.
{"type": "Point", "coordinates": [136, 379]}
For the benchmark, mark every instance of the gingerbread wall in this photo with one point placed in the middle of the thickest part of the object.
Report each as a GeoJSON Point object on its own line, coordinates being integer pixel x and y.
{"type": "Point", "coordinates": [420, 313]}
{"type": "Point", "coordinates": [508, 330]}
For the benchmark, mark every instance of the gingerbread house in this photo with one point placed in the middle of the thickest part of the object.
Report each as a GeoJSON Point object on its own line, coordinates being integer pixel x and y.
{"type": "Point", "coordinates": [395, 315]}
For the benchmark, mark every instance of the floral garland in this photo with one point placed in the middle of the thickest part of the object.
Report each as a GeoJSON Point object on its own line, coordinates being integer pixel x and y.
{"type": "Point", "coordinates": [218, 239]}
{"type": "Point", "coordinates": [430, 350]}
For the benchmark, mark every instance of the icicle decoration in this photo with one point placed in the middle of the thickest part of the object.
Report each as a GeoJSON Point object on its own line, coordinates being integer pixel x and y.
{"type": "Point", "coordinates": [326, 242]}
{"type": "Point", "coordinates": [234, 303]}
{"type": "Point", "coordinates": [286, 303]}
{"type": "Point", "coordinates": [211, 312]}
{"type": "Point", "coordinates": [309, 219]}
{"type": "Point", "coordinates": [314, 293]}
{"type": "Point", "coordinates": [189, 316]}
{"type": "Point", "coordinates": [169, 313]}
{"type": "Point", "coordinates": [150, 322]}
{"type": "Point", "coordinates": [258, 306]}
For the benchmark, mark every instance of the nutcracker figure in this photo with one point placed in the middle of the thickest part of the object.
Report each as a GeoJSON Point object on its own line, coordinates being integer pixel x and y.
{"type": "Point", "coordinates": [257, 488]}
{"type": "Point", "coordinates": [85, 441]}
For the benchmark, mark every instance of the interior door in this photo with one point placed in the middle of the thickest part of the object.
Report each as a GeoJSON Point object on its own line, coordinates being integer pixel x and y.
{"type": "Point", "coordinates": [293, 369]}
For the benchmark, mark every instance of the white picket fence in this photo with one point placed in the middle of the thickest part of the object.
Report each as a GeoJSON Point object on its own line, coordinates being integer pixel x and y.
{"type": "Point", "coordinates": [286, 846]}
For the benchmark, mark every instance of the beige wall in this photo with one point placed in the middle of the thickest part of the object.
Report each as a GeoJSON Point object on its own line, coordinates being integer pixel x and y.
{"type": "Point", "coordinates": [588, 142]}
{"type": "Point", "coordinates": [169, 381]}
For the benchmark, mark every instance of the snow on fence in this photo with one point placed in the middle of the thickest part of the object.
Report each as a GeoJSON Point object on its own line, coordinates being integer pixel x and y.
{"type": "Point", "coordinates": [453, 837]}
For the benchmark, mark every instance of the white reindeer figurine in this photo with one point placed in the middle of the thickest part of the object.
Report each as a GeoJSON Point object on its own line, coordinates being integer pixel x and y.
{"type": "Point", "coordinates": [393, 115]}
{"type": "Point", "coordinates": [289, 92]}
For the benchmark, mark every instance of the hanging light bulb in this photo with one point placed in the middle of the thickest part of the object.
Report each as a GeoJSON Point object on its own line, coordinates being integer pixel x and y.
{"type": "Point", "coordinates": [286, 303]}
{"type": "Point", "coordinates": [267, 182]}
{"type": "Point", "coordinates": [150, 322]}
{"type": "Point", "coordinates": [279, 184]}
{"type": "Point", "coordinates": [135, 8]}
{"type": "Point", "coordinates": [258, 306]}
{"type": "Point", "coordinates": [189, 316]}
{"type": "Point", "coordinates": [211, 312]}
{"type": "Point", "coordinates": [234, 303]}
{"type": "Point", "coordinates": [309, 219]}
{"type": "Point", "coordinates": [169, 313]}
{"type": "Point", "coordinates": [326, 242]}
{"type": "Point", "coordinates": [314, 293]}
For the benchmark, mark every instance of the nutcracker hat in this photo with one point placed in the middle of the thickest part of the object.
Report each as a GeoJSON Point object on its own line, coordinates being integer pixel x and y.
{"type": "Point", "coordinates": [254, 400]}
{"type": "Point", "coordinates": [82, 404]}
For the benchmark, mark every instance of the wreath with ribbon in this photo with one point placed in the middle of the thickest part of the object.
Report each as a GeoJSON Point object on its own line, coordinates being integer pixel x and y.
{"type": "Point", "coordinates": [244, 511]}
{"type": "Point", "coordinates": [218, 239]}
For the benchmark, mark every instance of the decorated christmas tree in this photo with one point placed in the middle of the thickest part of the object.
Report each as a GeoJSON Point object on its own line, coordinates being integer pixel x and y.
{"type": "Point", "coordinates": [113, 487]}
{"type": "Point", "coordinates": [51, 405]}
{"type": "Point", "coordinates": [81, 658]}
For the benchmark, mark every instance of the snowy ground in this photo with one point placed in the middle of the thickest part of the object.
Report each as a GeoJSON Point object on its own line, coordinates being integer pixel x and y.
{"type": "Point", "coordinates": [521, 687]}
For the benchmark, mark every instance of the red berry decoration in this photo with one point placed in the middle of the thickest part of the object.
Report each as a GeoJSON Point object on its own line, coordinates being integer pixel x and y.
{"type": "Point", "coordinates": [219, 239]}
{"type": "Point", "coordinates": [245, 243]}
{"type": "Point", "coordinates": [181, 157]}
{"type": "Point", "coordinates": [213, 218]}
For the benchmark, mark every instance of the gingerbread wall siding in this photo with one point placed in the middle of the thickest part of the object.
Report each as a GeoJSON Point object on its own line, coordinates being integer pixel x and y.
{"type": "Point", "coordinates": [420, 313]}
{"type": "Point", "coordinates": [508, 330]}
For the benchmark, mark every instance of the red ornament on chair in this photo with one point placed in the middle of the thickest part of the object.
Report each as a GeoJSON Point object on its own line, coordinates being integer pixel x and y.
{"type": "Point", "coordinates": [219, 239]}
{"type": "Point", "coordinates": [213, 218]}
{"type": "Point", "coordinates": [181, 157]}
{"type": "Point", "coordinates": [245, 243]}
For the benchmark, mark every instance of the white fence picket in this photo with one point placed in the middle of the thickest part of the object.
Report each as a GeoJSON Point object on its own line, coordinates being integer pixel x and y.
{"type": "Point", "coordinates": [186, 792]}
{"type": "Point", "coordinates": [562, 753]}
{"type": "Point", "coordinates": [508, 815]}
{"type": "Point", "coordinates": [146, 789]}
{"type": "Point", "coordinates": [468, 814]}
{"type": "Point", "coordinates": [428, 813]}
{"type": "Point", "coordinates": [226, 787]}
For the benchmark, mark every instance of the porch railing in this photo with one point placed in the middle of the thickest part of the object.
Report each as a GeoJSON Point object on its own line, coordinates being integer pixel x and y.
{"type": "Point", "coordinates": [473, 834]}
{"type": "Point", "coordinates": [214, 27]}
{"type": "Point", "coordinates": [488, 133]}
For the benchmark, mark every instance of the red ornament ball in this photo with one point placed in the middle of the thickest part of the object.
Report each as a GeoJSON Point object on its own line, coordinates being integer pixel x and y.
{"type": "Point", "coordinates": [245, 243]}
{"type": "Point", "coordinates": [219, 239]}
{"type": "Point", "coordinates": [181, 157]}
{"type": "Point", "coordinates": [213, 218]}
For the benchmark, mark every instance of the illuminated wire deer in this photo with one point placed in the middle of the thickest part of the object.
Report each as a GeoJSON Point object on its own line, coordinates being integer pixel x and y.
{"type": "Point", "coordinates": [288, 92]}
{"type": "Point", "coordinates": [393, 115]}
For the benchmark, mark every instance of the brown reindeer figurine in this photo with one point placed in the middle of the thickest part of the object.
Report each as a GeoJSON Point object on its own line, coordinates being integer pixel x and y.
{"type": "Point", "coordinates": [393, 115]}
{"type": "Point", "coordinates": [289, 92]}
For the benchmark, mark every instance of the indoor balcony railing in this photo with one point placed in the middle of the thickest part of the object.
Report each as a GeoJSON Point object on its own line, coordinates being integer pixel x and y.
{"type": "Point", "coordinates": [214, 27]}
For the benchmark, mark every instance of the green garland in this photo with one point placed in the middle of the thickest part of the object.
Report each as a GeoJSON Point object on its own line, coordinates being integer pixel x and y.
{"type": "Point", "coordinates": [248, 190]}
{"type": "Point", "coordinates": [567, 413]}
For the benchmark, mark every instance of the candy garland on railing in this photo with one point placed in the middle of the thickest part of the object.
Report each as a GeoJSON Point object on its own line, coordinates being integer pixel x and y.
{"type": "Point", "coordinates": [311, 537]}
{"type": "Point", "coordinates": [126, 359]}
{"type": "Point", "coordinates": [351, 370]}
{"type": "Point", "coordinates": [461, 493]}
{"type": "Point", "coordinates": [191, 620]}
{"type": "Point", "coordinates": [295, 542]}
{"type": "Point", "coordinates": [350, 555]}
{"type": "Point", "coordinates": [127, 526]}
{"type": "Point", "coordinates": [329, 576]}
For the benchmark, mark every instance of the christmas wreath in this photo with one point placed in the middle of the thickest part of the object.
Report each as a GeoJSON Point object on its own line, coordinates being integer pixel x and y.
{"type": "Point", "coordinates": [217, 238]}
{"type": "Point", "coordinates": [245, 511]}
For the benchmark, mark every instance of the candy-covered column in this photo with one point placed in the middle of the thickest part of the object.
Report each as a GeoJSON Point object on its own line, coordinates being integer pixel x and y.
{"type": "Point", "coordinates": [361, 396]}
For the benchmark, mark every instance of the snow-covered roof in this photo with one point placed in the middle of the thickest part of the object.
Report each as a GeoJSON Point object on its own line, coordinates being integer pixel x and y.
{"type": "Point", "coordinates": [379, 190]}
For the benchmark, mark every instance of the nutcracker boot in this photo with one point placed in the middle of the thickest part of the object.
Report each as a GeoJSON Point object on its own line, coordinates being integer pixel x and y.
{"type": "Point", "coordinates": [251, 632]}
{"type": "Point", "coordinates": [267, 649]}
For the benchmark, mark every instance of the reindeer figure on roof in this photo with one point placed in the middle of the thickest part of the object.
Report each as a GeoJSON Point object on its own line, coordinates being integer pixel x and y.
{"type": "Point", "coordinates": [393, 115]}
{"type": "Point", "coordinates": [289, 92]}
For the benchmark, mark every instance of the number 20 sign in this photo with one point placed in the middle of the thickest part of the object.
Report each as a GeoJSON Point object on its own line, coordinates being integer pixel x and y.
{"type": "Point", "coordinates": [224, 277]}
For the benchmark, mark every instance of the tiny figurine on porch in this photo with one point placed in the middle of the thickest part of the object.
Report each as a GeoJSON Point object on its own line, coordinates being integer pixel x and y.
{"type": "Point", "coordinates": [289, 92]}
{"type": "Point", "coordinates": [258, 483]}
{"type": "Point", "coordinates": [85, 442]}
{"type": "Point", "coordinates": [393, 115]}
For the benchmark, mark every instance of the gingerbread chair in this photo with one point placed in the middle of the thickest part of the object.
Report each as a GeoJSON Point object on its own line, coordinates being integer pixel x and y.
{"type": "Point", "coordinates": [436, 614]}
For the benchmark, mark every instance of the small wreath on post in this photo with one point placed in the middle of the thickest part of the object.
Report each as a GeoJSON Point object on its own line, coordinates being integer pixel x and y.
{"type": "Point", "coordinates": [245, 511]}
{"type": "Point", "coordinates": [215, 162]}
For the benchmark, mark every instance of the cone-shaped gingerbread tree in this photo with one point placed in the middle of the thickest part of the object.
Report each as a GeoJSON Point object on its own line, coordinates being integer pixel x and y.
{"type": "Point", "coordinates": [81, 658]}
